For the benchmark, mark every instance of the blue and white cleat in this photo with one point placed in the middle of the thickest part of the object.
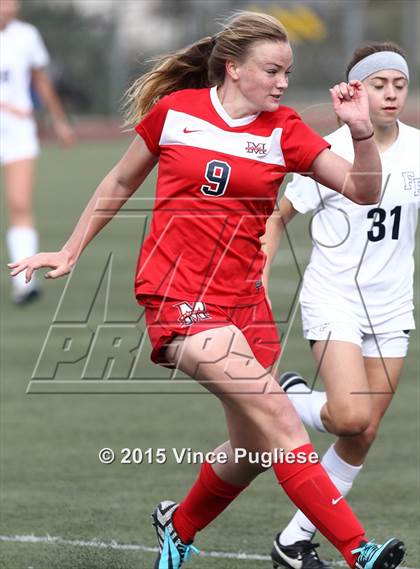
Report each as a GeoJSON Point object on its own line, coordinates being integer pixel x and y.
{"type": "Point", "coordinates": [374, 556]}
{"type": "Point", "coordinates": [172, 552]}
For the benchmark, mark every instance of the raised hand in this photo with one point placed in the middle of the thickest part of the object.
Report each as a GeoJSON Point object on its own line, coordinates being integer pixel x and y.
{"type": "Point", "coordinates": [351, 105]}
{"type": "Point", "coordinates": [60, 261]}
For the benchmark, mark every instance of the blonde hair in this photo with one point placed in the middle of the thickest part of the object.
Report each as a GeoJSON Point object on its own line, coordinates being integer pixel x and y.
{"type": "Point", "coordinates": [202, 63]}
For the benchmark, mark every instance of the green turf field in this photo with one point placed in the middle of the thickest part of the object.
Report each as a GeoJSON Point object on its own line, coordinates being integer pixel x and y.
{"type": "Point", "coordinates": [52, 483]}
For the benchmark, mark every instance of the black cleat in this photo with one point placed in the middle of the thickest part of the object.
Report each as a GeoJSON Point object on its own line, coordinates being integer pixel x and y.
{"type": "Point", "coordinates": [389, 555]}
{"type": "Point", "coordinates": [299, 555]}
{"type": "Point", "coordinates": [289, 379]}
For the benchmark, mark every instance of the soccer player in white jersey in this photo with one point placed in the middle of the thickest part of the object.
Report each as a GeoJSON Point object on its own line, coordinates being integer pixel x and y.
{"type": "Point", "coordinates": [357, 294]}
{"type": "Point", "coordinates": [210, 114]}
{"type": "Point", "coordinates": [23, 58]}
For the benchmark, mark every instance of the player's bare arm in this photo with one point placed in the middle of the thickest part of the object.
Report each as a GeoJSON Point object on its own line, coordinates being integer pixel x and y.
{"type": "Point", "coordinates": [111, 194]}
{"type": "Point", "coordinates": [45, 89]}
{"type": "Point", "coordinates": [272, 237]}
{"type": "Point", "coordinates": [361, 181]}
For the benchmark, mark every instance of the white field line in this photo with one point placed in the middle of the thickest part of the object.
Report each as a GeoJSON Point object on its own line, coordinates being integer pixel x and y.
{"type": "Point", "coordinates": [51, 540]}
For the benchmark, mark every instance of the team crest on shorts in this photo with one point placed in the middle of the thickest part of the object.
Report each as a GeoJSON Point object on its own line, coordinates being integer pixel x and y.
{"type": "Point", "coordinates": [189, 315]}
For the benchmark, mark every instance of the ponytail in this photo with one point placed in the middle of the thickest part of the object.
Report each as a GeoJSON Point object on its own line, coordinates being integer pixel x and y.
{"type": "Point", "coordinates": [184, 69]}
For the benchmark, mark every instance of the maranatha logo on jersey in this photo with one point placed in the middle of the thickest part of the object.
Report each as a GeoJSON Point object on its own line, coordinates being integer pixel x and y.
{"type": "Point", "coordinates": [411, 183]}
{"type": "Point", "coordinates": [192, 314]}
{"type": "Point", "coordinates": [256, 148]}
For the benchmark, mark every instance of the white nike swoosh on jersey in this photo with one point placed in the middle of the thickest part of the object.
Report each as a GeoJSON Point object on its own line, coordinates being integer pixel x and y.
{"type": "Point", "coordinates": [294, 562]}
{"type": "Point", "coordinates": [335, 501]}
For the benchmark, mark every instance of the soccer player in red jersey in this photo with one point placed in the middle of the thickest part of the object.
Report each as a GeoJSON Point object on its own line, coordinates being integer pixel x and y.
{"type": "Point", "coordinates": [210, 115]}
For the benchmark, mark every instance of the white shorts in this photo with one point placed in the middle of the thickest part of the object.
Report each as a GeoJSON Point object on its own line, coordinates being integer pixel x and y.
{"type": "Point", "coordinates": [18, 138]}
{"type": "Point", "coordinates": [382, 344]}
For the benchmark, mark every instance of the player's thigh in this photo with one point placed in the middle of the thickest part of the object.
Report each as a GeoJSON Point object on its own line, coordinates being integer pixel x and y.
{"type": "Point", "coordinates": [383, 376]}
{"type": "Point", "coordinates": [342, 369]}
{"type": "Point", "coordinates": [19, 178]}
{"type": "Point", "coordinates": [222, 361]}
{"type": "Point", "coordinates": [384, 355]}
{"type": "Point", "coordinates": [256, 408]}
{"type": "Point", "coordinates": [19, 150]}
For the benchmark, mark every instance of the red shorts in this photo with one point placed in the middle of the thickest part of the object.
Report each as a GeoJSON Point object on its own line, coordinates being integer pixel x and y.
{"type": "Point", "coordinates": [168, 318]}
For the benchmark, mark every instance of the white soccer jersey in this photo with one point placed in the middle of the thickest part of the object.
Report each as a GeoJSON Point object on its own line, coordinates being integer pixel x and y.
{"type": "Point", "coordinates": [362, 265]}
{"type": "Point", "coordinates": [21, 50]}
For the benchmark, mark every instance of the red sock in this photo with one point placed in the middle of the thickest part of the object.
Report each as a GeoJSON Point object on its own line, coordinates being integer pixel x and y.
{"type": "Point", "coordinates": [208, 497]}
{"type": "Point", "coordinates": [310, 488]}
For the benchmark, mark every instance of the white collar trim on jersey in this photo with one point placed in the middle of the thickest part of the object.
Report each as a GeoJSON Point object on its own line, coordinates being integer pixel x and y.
{"type": "Point", "coordinates": [218, 107]}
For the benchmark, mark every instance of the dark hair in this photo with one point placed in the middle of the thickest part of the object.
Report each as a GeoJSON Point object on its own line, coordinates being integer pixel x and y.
{"type": "Point", "coordinates": [201, 64]}
{"type": "Point", "coordinates": [370, 48]}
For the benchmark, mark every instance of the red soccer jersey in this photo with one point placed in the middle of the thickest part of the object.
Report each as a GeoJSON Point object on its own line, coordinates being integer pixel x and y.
{"type": "Point", "coordinates": [217, 184]}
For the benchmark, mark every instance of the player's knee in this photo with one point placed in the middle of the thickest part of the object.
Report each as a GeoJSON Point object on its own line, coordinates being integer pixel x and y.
{"type": "Point", "coordinates": [20, 213]}
{"type": "Point", "coordinates": [369, 435]}
{"type": "Point", "coordinates": [277, 413]}
{"type": "Point", "coordinates": [352, 424]}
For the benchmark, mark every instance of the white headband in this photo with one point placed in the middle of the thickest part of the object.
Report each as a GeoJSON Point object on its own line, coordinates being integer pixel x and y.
{"type": "Point", "coordinates": [377, 62]}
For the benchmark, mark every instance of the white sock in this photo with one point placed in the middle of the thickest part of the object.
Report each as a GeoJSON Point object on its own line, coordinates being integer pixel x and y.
{"type": "Point", "coordinates": [343, 475]}
{"type": "Point", "coordinates": [308, 404]}
{"type": "Point", "coordinates": [21, 242]}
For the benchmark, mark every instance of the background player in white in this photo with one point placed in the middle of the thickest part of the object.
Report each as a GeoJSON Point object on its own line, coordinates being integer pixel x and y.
{"type": "Point", "coordinates": [222, 104]}
{"type": "Point", "coordinates": [357, 295]}
{"type": "Point", "coordinates": [23, 58]}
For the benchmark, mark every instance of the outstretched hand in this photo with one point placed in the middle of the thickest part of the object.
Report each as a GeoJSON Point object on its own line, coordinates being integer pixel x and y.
{"type": "Point", "coordinates": [59, 261]}
{"type": "Point", "coordinates": [351, 105]}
